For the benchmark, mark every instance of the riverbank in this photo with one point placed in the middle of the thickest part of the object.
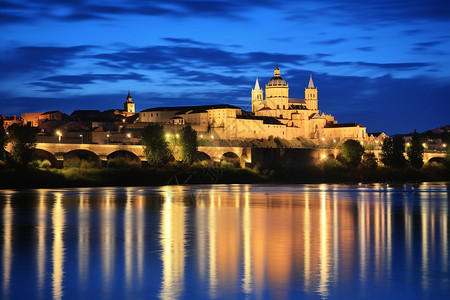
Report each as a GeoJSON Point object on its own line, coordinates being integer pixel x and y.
{"type": "Point", "coordinates": [179, 175]}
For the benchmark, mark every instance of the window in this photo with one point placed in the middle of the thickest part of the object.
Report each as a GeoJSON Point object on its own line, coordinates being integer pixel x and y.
{"type": "Point", "coordinates": [283, 106]}
{"type": "Point", "coordinates": [156, 114]}
{"type": "Point", "coordinates": [151, 115]}
{"type": "Point", "coordinates": [278, 107]}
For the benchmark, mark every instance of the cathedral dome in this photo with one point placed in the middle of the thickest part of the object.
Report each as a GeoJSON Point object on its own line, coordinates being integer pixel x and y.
{"type": "Point", "coordinates": [277, 79]}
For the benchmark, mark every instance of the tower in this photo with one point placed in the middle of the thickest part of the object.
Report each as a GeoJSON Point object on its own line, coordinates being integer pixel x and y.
{"type": "Point", "coordinates": [128, 106]}
{"type": "Point", "coordinates": [257, 97]}
{"type": "Point", "coordinates": [277, 92]}
{"type": "Point", "coordinates": [311, 95]}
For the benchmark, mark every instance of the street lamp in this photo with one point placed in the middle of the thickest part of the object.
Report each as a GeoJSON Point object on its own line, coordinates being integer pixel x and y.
{"type": "Point", "coordinates": [107, 136]}
{"type": "Point", "coordinates": [59, 136]}
{"type": "Point", "coordinates": [177, 135]}
{"type": "Point", "coordinates": [129, 135]}
{"type": "Point", "coordinates": [81, 136]}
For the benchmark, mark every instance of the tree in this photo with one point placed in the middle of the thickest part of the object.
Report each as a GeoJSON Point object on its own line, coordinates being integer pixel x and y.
{"type": "Point", "coordinates": [352, 151]}
{"type": "Point", "coordinates": [392, 152]}
{"type": "Point", "coordinates": [3, 141]}
{"type": "Point", "coordinates": [155, 145]}
{"type": "Point", "coordinates": [415, 151]}
{"type": "Point", "coordinates": [369, 161]}
{"type": "Point", "coordinates": [189, 144]}
{"type": "Point", "coordinates": [23, 140]}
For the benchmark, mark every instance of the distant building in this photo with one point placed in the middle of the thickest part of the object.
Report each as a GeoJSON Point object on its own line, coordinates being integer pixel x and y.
{"type": "Point", "coordinates": [31, 118]}
{"type": "Point", "coordinates": [8, 121]}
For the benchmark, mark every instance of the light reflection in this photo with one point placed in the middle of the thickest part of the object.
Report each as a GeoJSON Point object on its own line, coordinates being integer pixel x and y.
{"type": "Point", "coordinates": [322, 287]}
{"type": "Point", "coordinates": [83, 238]}
{"type": "Point", "coordinates": [7, 244]}
{"type": "Point", "coordinates": [444, 235]}
{"type": "Point", "coordinates": [41, 243]}
{"type": "Point", "coordinates": [128, 236]}
{"type": "Point", "coordinates": [58, 219]}
{"type": "Point", "coordinates": [108, 237]}
{"type": "Point", "coordinates": [173, 245]}
{"type": "Point", "coordinates": [246, 227]}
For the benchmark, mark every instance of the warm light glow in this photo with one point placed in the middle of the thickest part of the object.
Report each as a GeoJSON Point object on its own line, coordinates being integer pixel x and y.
{"type": "Point", "coordinates": [408, 144]}
{"type": "Point", "coordinates": [444, 145]}
{"type": "Point", "coordinates": [212, 137]}
{"type": "Point", "coordinates": [334, 141]}
{"type": "Point", "coordinates": [107, 135]}
{"type": "Point", "coordinates": [177, 135]}
{"type": "Point", "coordinates": [376, 142]}
{"type": "Point", "coordinates": [324, 156]}
{"type": "Point", "coordinates": [201, 136]}
{"type": "Point", "coordinates": [323, 139]}
{"type": "Point", "coordinates": [81, 135]}
{"type": "Point", "coordinates": [128, 135]}
{"type": "Point", "coordinates": [424, 145]}
{"type": "Point", "coordinates": [167, 135]}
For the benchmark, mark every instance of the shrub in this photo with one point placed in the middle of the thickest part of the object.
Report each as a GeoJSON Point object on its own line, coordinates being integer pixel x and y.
{"type": "Point", "coordinates": [123, 163]}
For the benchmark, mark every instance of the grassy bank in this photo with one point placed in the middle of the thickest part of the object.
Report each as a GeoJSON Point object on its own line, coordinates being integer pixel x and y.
{"type": "Point", "coordinates": [79, 177]}
{"type": "Point", "coordinates": [38, 177]}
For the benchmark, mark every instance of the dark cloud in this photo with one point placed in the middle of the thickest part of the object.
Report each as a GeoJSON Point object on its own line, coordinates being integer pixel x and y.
{"type": "Point", "coordinates": [92, 78]}
{"type": "Point", "coordinates": [83, 10]}
{"type": "Point", "coordinates": [385, 66]}
{"type": "Point", "coordinates": [366, 49]}
{"type": "Point", "coordinates": [38, 59]}
{"type": "Point", "coordinates": [330, 42]}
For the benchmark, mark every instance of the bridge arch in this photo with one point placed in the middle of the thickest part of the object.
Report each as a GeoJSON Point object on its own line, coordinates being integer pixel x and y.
{"type": "Point", "coordinates": [201, 156]}
{"type": "Point", "coordinates": [123, 157]}
{"type": "Point", "coordinates": [41, 154]}
{"type": "Point", "coordinates": [437, 160]}
{"type": "Point", "coordinates": [77, 157]}
{"type": "Point", "coordinates": [231, 157]}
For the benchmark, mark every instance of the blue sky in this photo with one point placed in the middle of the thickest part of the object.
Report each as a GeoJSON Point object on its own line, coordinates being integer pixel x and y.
{"type": "Point", "coordinates": [382, 64]}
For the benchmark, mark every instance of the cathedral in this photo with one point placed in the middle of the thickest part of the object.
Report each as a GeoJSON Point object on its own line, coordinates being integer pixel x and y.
{"type": "Point", "coordinates": [275, 115]}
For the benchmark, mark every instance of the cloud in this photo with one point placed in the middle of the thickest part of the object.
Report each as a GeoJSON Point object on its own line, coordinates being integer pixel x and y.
{"type": "Point", "coordinates": [20, 60]}
{"type": "Point", "coordinates": [366, 49]}
{"type": "Point", "coordinates": [92, 78]}
{"type": "Point", "coordinates": [384, 66]}
{"type": "Point", "coordinates": [330, 42]}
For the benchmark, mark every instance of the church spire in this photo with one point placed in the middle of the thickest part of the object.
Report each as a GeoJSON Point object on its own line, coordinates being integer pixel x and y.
{"type": "Point", "coordinates": [257, 84]}
{"type": "Point", "coordinates": [311, 83]}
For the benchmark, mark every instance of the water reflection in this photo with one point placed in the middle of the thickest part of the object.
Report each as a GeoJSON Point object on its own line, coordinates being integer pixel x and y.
{"type": "Point", "coordinates": [7, 243]}
{"type": "Point", "coordinates": [259, 241]}
{"type": "Point", "coordinates": [58, 247]}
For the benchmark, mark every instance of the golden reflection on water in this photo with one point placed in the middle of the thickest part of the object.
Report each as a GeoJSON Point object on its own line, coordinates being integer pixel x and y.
{"type": "Point", "coordinates": [58, 219]}
{"type": "Point", "coordinates": [7, 244]}
{"type": "Point", "coordinates": [173, 244]}
{"type": "Point", "coordinates": [108, 237]}
{"type": "Point", "coordinates": [83, 238]}
{"type": "Point", "coordinates": [41, 243]}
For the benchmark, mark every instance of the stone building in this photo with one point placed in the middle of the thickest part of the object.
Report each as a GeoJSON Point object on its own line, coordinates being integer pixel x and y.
{"type": "Point", "coordinates": [276, 115]}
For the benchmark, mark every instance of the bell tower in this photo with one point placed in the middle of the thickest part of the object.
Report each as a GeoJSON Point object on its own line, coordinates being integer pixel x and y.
{"type": "Point", "coordinates": [257, 97]}
{"type": "Point", "coordinates": [311, 95]}
{"type": "Point", "coordinates": [128, 106]}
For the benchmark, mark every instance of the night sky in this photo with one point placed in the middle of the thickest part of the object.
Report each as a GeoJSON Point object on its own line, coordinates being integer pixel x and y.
{"type": "Point", "coordinates": [382, 64]}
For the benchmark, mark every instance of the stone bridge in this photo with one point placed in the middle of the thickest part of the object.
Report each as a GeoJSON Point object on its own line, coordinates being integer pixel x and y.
{"type": "Point", "coordinates": [58, 152]}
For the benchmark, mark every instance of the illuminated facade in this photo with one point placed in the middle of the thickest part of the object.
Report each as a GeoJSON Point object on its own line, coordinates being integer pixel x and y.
{"type": "Point", "coordinates": [276, 115]}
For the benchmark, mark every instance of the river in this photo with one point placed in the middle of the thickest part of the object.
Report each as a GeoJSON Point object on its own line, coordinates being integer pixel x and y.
{"type": "Point", "coordinates": [226, 242]}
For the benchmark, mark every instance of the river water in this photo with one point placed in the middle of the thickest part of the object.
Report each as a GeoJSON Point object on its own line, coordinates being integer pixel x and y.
{"type": "Point", "coordinates": [226, 242]}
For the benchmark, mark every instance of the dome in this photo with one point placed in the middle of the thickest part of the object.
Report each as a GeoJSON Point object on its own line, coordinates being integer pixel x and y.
{"type": "Point", "coordinates": [277, 80]}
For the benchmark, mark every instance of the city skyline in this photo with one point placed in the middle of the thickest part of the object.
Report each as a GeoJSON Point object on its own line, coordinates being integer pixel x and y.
{"type": "Point", "coordinates": [384, 65]}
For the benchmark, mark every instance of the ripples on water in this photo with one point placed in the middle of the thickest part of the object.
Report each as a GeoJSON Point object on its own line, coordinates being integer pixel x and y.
{"type": "Point", "coordinates": [237, 241]}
